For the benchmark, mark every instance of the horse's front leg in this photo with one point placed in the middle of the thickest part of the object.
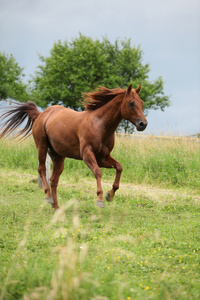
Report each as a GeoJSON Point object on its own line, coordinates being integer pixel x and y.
{"type": "Point", "coordinates": [90, 160]}
{"type": "Point", "coordinates": [110, 162]}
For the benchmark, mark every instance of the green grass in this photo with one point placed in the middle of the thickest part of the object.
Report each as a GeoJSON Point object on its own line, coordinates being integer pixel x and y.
{"type": "Point", "coordinates": [143, 245]}
{"type": "Point", "coordinates": [163, 162]}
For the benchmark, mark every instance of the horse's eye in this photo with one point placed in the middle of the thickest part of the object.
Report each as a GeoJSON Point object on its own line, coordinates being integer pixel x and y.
{"type": "Point", "coordinates": [131, 104]}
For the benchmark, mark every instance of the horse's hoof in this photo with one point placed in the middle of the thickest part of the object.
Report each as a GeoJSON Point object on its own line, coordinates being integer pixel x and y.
{"type": "Point", "coordinates": [49, 200]}
{"type": "Point", "coordinates": [57, 209]}
{"type": "Point", "coordinates": [100, 203]}
{"type": "Point", "coordinates": [108, 196]}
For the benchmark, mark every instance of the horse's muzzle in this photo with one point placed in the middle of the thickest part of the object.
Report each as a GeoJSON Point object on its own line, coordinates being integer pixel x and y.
{"type": "Point", "coordinates": [141, 124]}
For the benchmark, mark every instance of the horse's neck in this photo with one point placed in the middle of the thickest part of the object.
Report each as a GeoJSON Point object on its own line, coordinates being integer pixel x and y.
{"type": "Point", "coordinates": [110, 114]}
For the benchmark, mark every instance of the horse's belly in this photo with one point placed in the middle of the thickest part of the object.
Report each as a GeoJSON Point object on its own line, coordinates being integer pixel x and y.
{"type": "Point", "coordinates": [66, 147]}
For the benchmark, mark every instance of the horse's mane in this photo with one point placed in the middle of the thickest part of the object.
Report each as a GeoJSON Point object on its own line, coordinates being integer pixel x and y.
{"type": "Point", "coordinates": [98, 98]}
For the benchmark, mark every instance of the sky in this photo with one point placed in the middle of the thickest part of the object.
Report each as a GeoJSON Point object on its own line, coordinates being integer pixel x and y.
{"type": "Point", "coordinates": [168, 33]}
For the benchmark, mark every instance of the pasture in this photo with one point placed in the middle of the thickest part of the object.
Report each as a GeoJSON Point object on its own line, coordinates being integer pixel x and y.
{"type": "Point", "coordinates": [143, 245]}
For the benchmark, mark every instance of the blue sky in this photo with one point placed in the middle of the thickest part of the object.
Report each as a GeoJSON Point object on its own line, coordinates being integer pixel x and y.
{"type": "Point", "coordinates": [167, 31]}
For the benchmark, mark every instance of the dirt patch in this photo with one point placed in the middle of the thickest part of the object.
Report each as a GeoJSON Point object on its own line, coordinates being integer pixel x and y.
{"type": "Point", "coordinates": [158, 194]}
{"type": "Point", "coordinates": [152, 192]}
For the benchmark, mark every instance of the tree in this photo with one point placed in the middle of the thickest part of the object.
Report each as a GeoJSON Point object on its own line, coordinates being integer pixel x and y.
{"type": "Point", "coordinates": [11, 85]}
{"type": "Point", "coordinates": [81, 65]}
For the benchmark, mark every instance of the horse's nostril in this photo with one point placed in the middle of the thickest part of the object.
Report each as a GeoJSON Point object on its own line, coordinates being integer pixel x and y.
{"type": "Point", "coordinates": [141, 125]}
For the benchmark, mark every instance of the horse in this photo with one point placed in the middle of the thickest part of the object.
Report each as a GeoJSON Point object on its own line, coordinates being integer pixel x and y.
{"type": "Point", "coordinates": [87, 135]}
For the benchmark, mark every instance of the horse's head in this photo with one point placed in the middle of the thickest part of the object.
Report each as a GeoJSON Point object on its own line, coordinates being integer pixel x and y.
{"type": "Point", "coordinates": [132, 108]}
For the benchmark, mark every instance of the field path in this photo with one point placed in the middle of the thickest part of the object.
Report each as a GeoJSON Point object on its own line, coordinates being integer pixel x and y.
{"type": "Point", "coordinates": [152, 192]}
{"type": "Point", "coordinates": [157, 193]}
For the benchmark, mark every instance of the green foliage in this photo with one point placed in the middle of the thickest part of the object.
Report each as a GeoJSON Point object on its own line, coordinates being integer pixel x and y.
{"type": "Point", "coordinates": [11, 85]}
{"type": "Point", "coordinates": [81, 65]}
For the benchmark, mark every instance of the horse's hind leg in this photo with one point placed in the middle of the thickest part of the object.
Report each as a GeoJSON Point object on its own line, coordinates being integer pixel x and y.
{"type": "Point", "coordinates": [58, 166]}
{"type": "Point", "coordinates": [42, 153]}
{"type": "Point", "coordinates": [110, 162]}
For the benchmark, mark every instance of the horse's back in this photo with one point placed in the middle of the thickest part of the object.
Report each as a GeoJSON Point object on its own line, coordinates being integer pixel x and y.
{"type": "Point", "coordinates": [63, 119]}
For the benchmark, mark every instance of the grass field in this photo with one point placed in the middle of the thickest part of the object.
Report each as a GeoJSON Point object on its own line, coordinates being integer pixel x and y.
{"type": "Point", "coordinates": [143, 245]}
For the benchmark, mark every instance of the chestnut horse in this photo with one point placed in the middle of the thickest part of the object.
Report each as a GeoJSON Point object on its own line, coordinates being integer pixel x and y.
{"type": "Point", "coordinates": [87, 135]}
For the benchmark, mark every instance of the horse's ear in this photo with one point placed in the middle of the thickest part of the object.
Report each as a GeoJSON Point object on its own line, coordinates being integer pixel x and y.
{"type": "Point", "coordinates": [129, 89]}
{"type": "Point", "coordinates": [138, 89]}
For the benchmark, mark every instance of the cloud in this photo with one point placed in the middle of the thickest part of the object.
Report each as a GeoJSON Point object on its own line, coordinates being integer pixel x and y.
{"type": "Point", "coordinates": [168, 32]}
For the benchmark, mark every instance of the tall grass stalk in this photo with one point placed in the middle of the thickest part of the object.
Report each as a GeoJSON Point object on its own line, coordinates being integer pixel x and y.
{"type": "Point", "coordinates": [143, 245]}
{"type": "Point", "coordinates": [165, 162]}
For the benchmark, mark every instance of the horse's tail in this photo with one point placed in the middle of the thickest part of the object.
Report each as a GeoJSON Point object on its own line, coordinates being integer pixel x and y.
{"type": "Point", "coordinates": [15, 116]}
